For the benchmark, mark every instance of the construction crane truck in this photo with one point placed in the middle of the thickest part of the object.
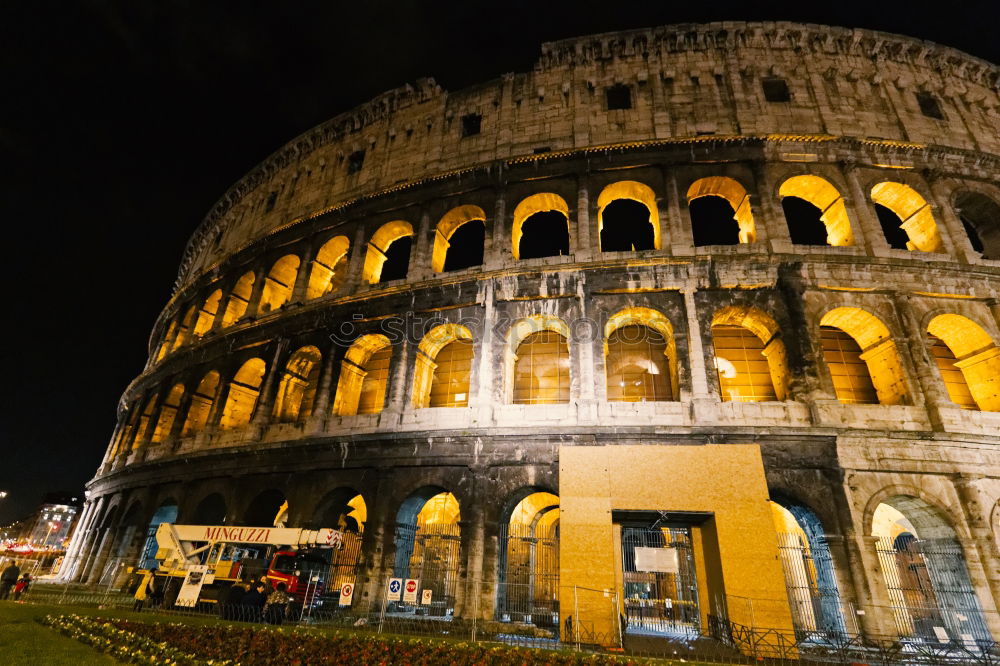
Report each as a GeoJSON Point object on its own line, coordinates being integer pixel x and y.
{"type": "Point", "coordinates": [299, 558]}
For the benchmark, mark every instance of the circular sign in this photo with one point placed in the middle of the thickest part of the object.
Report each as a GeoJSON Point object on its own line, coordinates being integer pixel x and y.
{"type": "Point", "coordinates": [394, 586]}
{"type": "Point", "coordinates": [347, 590]}
{"type": "Point", "coordinates": [411, 586]}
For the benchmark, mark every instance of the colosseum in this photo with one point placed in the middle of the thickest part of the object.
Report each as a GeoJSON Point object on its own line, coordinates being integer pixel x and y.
{"type": "Point", "coordinates": [701, 319]}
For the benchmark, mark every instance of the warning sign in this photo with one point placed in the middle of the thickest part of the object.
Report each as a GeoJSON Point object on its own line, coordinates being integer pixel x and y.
{"type": "Point", "coordinates": [425, 597]}
{"type": "Point", "coordinates": [410, 591]}
{"type": "Point", "coordinates": [394, 590]}
{"type": "Point", "coordinates": [188, 596]}
{"type": "Point", "coordinates": [346, 594]}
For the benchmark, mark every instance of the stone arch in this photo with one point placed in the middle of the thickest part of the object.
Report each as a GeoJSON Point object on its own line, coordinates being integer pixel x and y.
{"type": "Point", "coordinates": [145, 420]}
{"type": "Point", "coordinates": [980, 216]}
{"type": "Point", "coordinates": [185, 328]}
{"type": "Point", "coordinates": [168, 414]}
{"type": "Point", "coordinates": [772, 348]}
{"type": "Point", "coordinates": [364, 377]}
{"type": "Point", "coordinates": [344, 509]}
{"type": "Point", "coordinates": [200, 408]}
{"type": "Point", "coordinates": [824, 196]}
{"type": "Point", "coordinates": [379, 248]}
{"type": "Point", "coordinates": [916, 218]}
{"type": "Point", "coordinates": [925, 570]}
{"type": "Point", "coordinates": [549, 368]}
{"type": "Point", "coordinates": [632, 355]}
{"type": "Point", "coordinates": [329, 268]}
{"type": "Point", "coordinates": [206, 315]}
{"type": "Point", "coordinates": [444, 383]}
{"type": "Point", "coordinates": [167, 344]}
{"type": "Point", "coordinates": [808, 567]}
{"type": "Point", "coordinates": [732, 192]}
{"type": "Point", "coordinates": [543, 202]}
{"type": "Point", "coordinates": [244, 389]}
{"type": "Point", "coordinates": [875, 347]}
{"type": "Point", "coordinates": [293, 402]}
{"type": "Point", "coordinates": [239, 299]}
{"type": "Point", "coordinates": [428, 545]}
{"type": "Point", "coordinates": [975, 356]}
{"type": "Point", "coordinates": [262, 510]}
{"type": "Point", "coordinates": [632, 191]}
{"type": "Point", "coordinates": [528, 558]}
{"type": "Point", "coordinates": [451, 222]}
{"type": "Point", "coordinates": [279, 283]}
{"type": "Point", "coordinates": [210, 510]}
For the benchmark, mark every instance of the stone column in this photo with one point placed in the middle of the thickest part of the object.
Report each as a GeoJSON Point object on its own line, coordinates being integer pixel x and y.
{"type": "Point", "coordinates": [696, 348]}
{"type": "Point", "coordinates": [324, 390]}
{"type": "Point", "coordinates": [420, 252]}
{"type": "Point", "coordinates": [803, 349]}
{"type": "Point", "coordinates": [677, 224]}
{"type": "Point", "coordinates": [947, 218]}
{"type": "Point", "coordinates": [265, 400]}
{"type": "Point", "coordinates": [220, 313]}
{"type": "Point", "coordinates": [400, 376]}
{"type": "Point", "coordinates": [867, 220]}
{"type": "Point", "coordinates": [482, 398]}
{"type": "Point", "coordinates": [499, 247]}
{"type": "Point", "coordinates": [934, 392]}
{"type": "Point", "coordinates": [302, 276]}
{"type": "Point", "coordinates": [377, 547]}
{"type": "Point", "coordinates": [983, 565]}
{"type": "Point", "coordinates": [768, 216]}
{"type": "Point", "coordinates": [174, 436]}
{"type": "Point", "coordinates": [260, 279]}
{"type": "Point", "coordinates": [470, 589]}
{"type": "Point", "coordinates": [76, 542]}
{"type": "Point", "coordinates": [586, 241]}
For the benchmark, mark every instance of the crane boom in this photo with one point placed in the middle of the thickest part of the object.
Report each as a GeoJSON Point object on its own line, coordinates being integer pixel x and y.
{"type": "Point", "coordinates": [175, 543]}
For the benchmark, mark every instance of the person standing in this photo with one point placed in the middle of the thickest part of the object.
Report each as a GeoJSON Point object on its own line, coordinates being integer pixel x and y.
{"type": "Point", "coordinates": [8, 579]}
{"type": "Point", "coordinates": [21, 587]}
{"type": "Point", "coordinates": [142, 590]}
{"type": "Point", "coordinates": [252, 603]}
{"type": "Point", "coordinates": [277, 605]}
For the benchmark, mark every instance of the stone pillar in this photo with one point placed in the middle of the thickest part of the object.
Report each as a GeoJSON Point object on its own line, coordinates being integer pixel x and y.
{"type": "Point", "coordinates": [802, 347]}
{"type": "Point", "coordinates": [696, 348]}
{"type": "Point", "coordinates": [77, 541]}
{"type": "Point", "coordinates": [420, 252]}
{"type": "Point", "coordinates": [265, 400]}
{"type": "Point", "coordinates": [377, 547]}
{"type": "Point", "coordinates": [353, 281]}
{"type": "Point", "coordinates": [677, 223]}
{"type": "Point", "coordinates": [867, 220]}
{"type": "Point", "coordinates": [470, 588]}
{"type": "Point", "coordinates": [947, 218]}
{"type": "Point", "coordinates": [302, 276]}
{"type": "Point", "coordinates": [482, 398]}
{"type": "Point", "coordinates": [984, 571]}
{"type": "Point", "coordinates": [586, 241]}
{"type": "Point", "coordinates": [400, 376]}
{"type": "Point", "coordinates": [260, 279]}
{"type": "Point", "coordinates": [768, 216]}
{"type": "Point", "coordinates": [221, 312]}
{"type": "Point", "coordinates": [934, 393]}
{"type": "Point", "coordinates": [324, 390]}
{"type": "Point", "coordinates": [500, 249]}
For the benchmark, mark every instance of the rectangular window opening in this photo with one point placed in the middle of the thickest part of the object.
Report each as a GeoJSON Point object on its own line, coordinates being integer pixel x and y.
{"type": "Point", "coordinates": [929, 105]}
{"type": "Point", "coordinates": [471, 124]}
{"type": "Point", "coordinates": [619, 96]}
{"type": "Point", "coordinates": [776, 90]}
{"type": "Point", "coordinates": [355, 161]}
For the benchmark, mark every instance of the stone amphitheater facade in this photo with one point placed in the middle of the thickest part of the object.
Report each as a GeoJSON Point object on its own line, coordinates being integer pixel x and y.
{"type": "Point", "coordinates": [254, 385]}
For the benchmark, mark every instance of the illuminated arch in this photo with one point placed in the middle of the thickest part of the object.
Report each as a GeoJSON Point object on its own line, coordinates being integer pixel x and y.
{"type": "Point", "coordinates": [634, 191]}
{"type": "Point", "coordinates": [640, 358]}
{"type": "Point", "coordinates": [443, 382]}
{"type": "Point", "coordinates": [542, 202]}
{"type": "Point", "coordinates": [145, 421]}
{"type": "Point", "coordinates": [297, 388]}
{"type": "Point", "coordinates": [239, 299]}
{"type": "Point", "coordinates": [379, 244]}
{"type": "Point", "coordinates": [329, 268]}
{"type": "Point", "coordinates": [537, 360]}
{"type": "Point", "coordinates": [184, 328]}
{"type": "Point", "coordinates": [166, 346]}
{"type": "Point", "coordinates": [875, 348]}
{"type": "Point", "coordinates": [206, 316]}
{"type": "Point", "coordinates": [343, 509]}
{"type": "Point", "coordinates": [244, 390]}
{"type": "Point", "coordinates": [279, 283]}
{"type": "Point", "coordinates": [820, 193]}
{"type": "Point", "coordinates": [428, 540]}
{"type": "Point", "coordinates": [915, 214]}
{"type": "Point", "coordinates": [201, 404]}
{"type": "Point", "coordinates": [528, 560]}
{"type": "Point", "coordinates": [447, 226]}
{"type": "Point", "coordinates": [364, 376]}
{"type": "Point", "coordinates": [980, 215]}
{"type": "Point", "coordinates": [976, 356]}
{"type": "Point", "coordinates": [168, 413]}
{"type": "Point", "coordinates": [739, 358]}
{"type": "Point", "coordinates": [735, 194]}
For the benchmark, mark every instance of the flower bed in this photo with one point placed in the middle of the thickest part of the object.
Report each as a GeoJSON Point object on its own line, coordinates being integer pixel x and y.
{"type": "Point", "coordinates": [187, 645]}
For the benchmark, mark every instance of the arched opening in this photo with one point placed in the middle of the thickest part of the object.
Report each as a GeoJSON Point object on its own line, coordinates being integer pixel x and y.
{"type": "Point", "coordinates": [628, 218]}
{"type": "Point", "coordinates": [211, 510]}
{"type": "Point", "coordinates": [969, 362]}
{"type": "Point", "coordinates": [428, 544]}
{"type": "Point", "coordinates": [528, 567]}
{"type": "Point", "coordinates": [925, 573]}
{"type": "Point", "coordinates": [166, 346]}
{"type": "Point", "coordinates": [388, 256]}
{"type": "Point", "coordinates": [201, 404]}
{"type": "Point", "coordinates": [166, 513]}
{"type": "Point", "coordinates": [244, 390]}
{"type": "Point", "coordinates": [640, 357]}
{"type": "Point", "coordinates": [297, 388]}
{"type": "Point", "coordinates": [185, 327]}
{"type": "Point", "coordinates": [239, 299]}
{"type": "Point", "coordinates": [980, 215]}
{"type": "Point", "coordinates": [541, 227]}
{"type": "Point", "coordinates": [364, 376]}
{"type": "Point", "coordinates": [900, 208]}
{"type": "Point", "coordinates": [720, 212]}
{"type": "Point", "coordinates": [262, 511]}
{"type": "Point", "coordinates": [815, 212]}
{"type": "Point", "coordinates": [329, 268]}
{"type": "Point", "coordinates": [459, 239]}
{"type": "Point", "coordinates": [168, 413]}
{"type": "Point", "coordinates": [808, 567]}
{"type": "Point", "coordinates": [862, 358]}
{"type": "Point", "coordinates": [750, 356]}
{"type": "Point", "coordinates": [206, 316]}
{"type": "Point", "coordinates": [538, 361]}
{"type": "Point", "coordinates": [145, 421]}
{"type": "Point", "coordinates": [344, 509]}
{"type": "Point", "coordinates": [444, 366]}
{"type": "Point", "coordinates": [279, 283]}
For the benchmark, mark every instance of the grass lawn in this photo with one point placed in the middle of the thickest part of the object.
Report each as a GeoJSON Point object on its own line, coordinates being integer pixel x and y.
{"type": "Point", "coordinates": [24, 641]}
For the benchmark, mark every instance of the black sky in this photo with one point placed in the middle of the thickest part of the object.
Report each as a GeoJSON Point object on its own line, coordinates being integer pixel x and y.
{"type": "Point", "coordinates": [122, 122]}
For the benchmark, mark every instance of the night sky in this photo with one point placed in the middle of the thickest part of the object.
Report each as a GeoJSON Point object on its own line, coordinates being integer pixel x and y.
{"type": "Point", "coordinates": [122, 122]}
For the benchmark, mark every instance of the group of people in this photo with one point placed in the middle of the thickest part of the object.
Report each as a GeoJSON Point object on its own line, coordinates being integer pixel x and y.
{"type": "Point", "coordinates": [256, 604]}
{"type": "Point", "coordinates": [12, 580]}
